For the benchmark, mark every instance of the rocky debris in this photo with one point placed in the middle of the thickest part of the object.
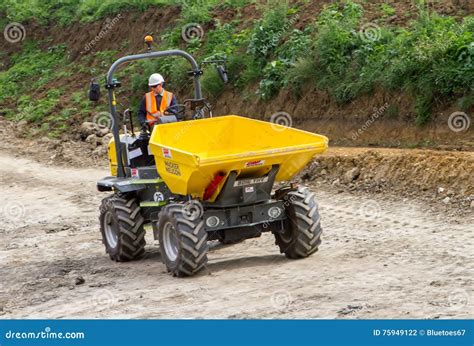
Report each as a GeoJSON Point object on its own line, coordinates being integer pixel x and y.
{"type": "Point", "coordinates": [98, 138]}
{"type": "Point", "coordinates": [79, 280]}
{"type": "Point", "coordinates": [93, 140]}
{"type": "Point", "coordinates": [101, 132]}
{"type": "Point", "coordinates": [89, 128]}
{"type": "Point", "coordinates": [59, 228]}
{"type": "Point", "coordinates": [106, 139]}
{"type": "Point", "coordinates": [349, 309]}
{"type": "Point", "coordinates": [22, 126]}
{"type": "Point", "coordinates": [101, 150]}
{"type": "Point", "coordinates": [351, 175]}
{"type": "Point", "coordinates": [440, 177]}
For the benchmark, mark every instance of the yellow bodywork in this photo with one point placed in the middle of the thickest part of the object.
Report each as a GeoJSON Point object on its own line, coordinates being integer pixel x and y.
{"type": "Point", "coordinates": [190, 154]}
{"type": "Point", "coordinates": [113, 157]}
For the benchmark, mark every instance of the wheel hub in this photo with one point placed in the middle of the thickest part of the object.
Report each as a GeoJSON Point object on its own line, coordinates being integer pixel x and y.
{"type": "Point", "coordinates": [111, 232]}
{"type": "Point", "coordinates": [170, 239]}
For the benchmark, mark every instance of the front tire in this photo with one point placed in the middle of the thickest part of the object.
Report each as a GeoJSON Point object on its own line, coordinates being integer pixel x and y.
{"type": "Point", "coordinates": [302, 234]}
{"type": "Point", "coordinates": [183, 241]}
{"type": "Point", "coordinates": [121, 225]}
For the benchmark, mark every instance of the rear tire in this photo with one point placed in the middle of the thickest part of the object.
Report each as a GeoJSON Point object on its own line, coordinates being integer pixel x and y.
{"type": "Point", "coordinates": [183, 241]}
{"type": "Point", "coordinates": [121, 225]}
{"type": "Point", "coordinates": [302, 234]}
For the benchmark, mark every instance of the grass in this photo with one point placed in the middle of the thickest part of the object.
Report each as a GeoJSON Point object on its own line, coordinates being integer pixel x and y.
{"type": "Point", "coordinates": [30, 69]}
{"type": "Point", "coordinates": [64, 12]}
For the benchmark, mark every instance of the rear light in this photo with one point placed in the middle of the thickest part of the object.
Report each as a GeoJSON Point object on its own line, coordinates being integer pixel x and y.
{"type": "Point", "coordinates": [212, 221]}
{"type": "Point", "coordinates": [274, 212]}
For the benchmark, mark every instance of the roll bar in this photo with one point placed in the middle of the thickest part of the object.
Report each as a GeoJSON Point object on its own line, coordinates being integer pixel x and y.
{"type": "Point", "coordinates": [196, 73]}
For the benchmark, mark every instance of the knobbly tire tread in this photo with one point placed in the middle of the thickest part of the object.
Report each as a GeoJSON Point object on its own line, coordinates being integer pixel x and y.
{"type": "Point", "coordinates": [193, 246]}
{"type": "Point", "coordinates": [303, 226]}
{"type": "Point", "coordinates": [131, 238]}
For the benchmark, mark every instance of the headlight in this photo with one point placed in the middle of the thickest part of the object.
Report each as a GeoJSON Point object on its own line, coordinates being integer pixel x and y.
{"type": "Point", "coordinates": [212, 221]}
{"type": "Point", "coordinates": [274, 212]}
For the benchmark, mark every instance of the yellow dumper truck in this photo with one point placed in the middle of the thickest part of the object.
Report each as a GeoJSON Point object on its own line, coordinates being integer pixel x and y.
{"type": "Point", "coordinates": [204, 178]}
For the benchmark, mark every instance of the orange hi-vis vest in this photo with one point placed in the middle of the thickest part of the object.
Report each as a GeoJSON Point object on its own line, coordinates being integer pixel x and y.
{"type": "Point", "coordinates": [152, 114]}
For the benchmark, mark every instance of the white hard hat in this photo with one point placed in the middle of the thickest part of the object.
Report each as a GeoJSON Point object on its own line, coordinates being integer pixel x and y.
{"type": "Point", "coordinates": [155, 79]}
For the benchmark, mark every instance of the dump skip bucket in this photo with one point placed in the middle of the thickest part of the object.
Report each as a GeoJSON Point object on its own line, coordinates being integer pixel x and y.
{"type": "Point", "coordinates": [190, 154]}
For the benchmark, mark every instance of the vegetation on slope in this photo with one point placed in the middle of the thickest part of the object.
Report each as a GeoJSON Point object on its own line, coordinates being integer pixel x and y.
{"type": "Point", "coordinates": [431, 58]}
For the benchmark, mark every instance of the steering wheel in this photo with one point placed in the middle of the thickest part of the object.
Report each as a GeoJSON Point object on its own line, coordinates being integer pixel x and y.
{"type": "Point", "coordinates": [178, 110]}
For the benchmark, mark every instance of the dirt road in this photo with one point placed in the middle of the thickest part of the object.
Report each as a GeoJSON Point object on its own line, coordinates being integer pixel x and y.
{"type": "Point", "coordinates": [379, 258]}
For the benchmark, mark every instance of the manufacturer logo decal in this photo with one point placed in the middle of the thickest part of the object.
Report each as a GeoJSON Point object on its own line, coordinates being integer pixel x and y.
{"type": "Point", "coordinates": [172, 168]}
{"type": "Point", "coordinates": [255, 163]}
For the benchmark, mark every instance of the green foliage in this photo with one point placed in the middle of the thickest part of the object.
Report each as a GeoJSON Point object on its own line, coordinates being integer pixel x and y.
{"type": "Point", "coordinates": [275, 74]}
{"type": "Point", "coordinates": [36, 111]}
{"type": "Point", "coordinates": [197, 11]}
{"type": "Point", "coordinates": [211, 82]}
{"type": "Point", "coordinates": [30, 70]}
{"type": "Point", "coordinates": [220, 41]}
{"type": "Point", "coordinates": [431, 59]}
{"type": "Point", "coordinates": [387, 10]}
{"type": "Point", "coordinates": [273, 78]}
{"type": "Point", "coordinates": [267, 34]}
{"type": "Point", "coordinates": [65, 12]}
{"type": "Point", "coordinates": [243, 70]}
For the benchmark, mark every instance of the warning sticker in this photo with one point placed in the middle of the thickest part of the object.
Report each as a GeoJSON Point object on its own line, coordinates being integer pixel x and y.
{"type": "Point", "coordinates": [166, 153]}
{"type": "Point", "coordinates": [249, 189]}
{"type": "Point", "coordinates": [134, 153]}
{"type": "Point", "coordinates": [172, 168]}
